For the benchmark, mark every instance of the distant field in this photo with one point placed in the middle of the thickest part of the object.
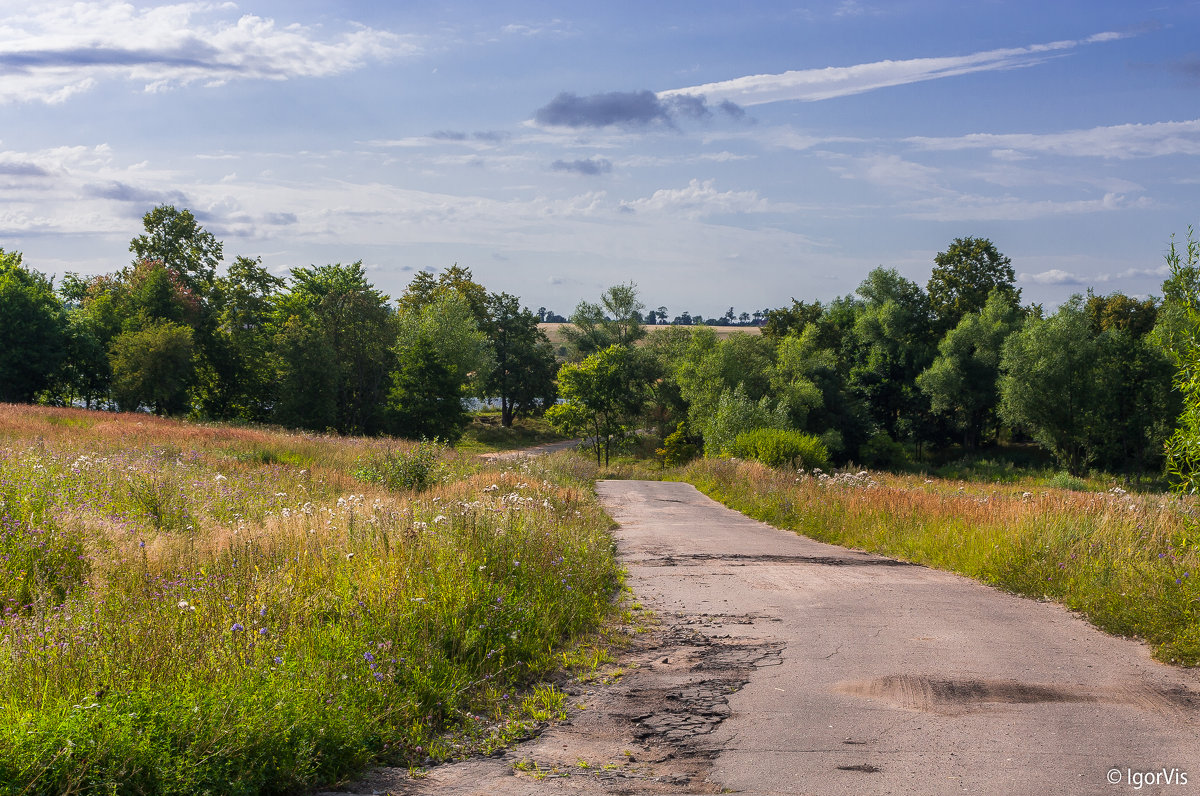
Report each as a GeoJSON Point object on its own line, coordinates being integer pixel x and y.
{"type": "Point", "coordinates": [552, 330]}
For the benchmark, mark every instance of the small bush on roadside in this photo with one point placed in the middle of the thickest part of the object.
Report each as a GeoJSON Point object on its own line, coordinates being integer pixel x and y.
{"type": "Point", "coordinates": [677, 449]}
{"type": "Point", "coordinates": [779, 447]}
{"type": "Point", "coordinates": [413, 470]}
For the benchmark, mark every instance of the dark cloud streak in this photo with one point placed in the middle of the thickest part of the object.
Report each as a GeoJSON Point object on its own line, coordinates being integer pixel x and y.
{"type": "Point", "coordinates": [589, 167]}
{"type": "Point", "coordinates": [627, 109]}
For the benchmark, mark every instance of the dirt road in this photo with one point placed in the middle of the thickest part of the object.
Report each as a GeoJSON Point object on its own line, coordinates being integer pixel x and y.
{"type": "Point", "coordinates": [788, 666]}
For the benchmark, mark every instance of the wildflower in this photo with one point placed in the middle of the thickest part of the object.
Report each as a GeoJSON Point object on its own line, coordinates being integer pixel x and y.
{"type": "Point", "coordinates": [237, 627]}
{"type": "Point", "coordinates": [183, 604]}
{"type": "Point", "coordinates": [220, 477]}
{"type": "Point", "coordinates": [262, 631]}
{"type": "Point", "coordinates": [278, 660]}
{"type": "Point", "coordinates": [349, 556]}
{"type": "Point", "coordinates": [262, 611]}
{"type": "Point", "coordinates": [369, 657]}
{"type": "Point", "coordinates": [439, 519]}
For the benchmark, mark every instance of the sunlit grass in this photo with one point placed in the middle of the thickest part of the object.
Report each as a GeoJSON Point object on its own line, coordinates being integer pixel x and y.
{"type": "Point", "coordinates": [192, 609]}
{"type": "Point", "coordinates": [1127, 562]}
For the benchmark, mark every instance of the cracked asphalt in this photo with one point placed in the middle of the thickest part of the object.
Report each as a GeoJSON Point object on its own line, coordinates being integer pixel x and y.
{"type": "Point", "coordinates": [787, 666]}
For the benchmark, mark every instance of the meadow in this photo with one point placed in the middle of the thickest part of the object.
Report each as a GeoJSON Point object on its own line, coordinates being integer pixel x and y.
{"type": "Point", "coordinates": [1127, 562]}
{"type": "Point", "coordinates": [212, 609]}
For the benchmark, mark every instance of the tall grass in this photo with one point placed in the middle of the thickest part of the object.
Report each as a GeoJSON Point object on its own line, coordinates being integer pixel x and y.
{"type": "Point", "coordinates": [215, 610]}
{"type": "Point", "coordinates": [1126, 562]}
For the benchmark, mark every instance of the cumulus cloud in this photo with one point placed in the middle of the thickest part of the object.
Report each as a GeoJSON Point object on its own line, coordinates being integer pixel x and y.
{"type": "Point", "coordinates": [589, 166]}
{"type": "Point", "coordinates": [56, 50]}
{"type": "Point", "coordinates": [1054, 276]}
{"type": "Point", "coordinates": [1122, 141]}
{"type": "Point", "coordinates": [627, 109]}
{"type": "Point", "coordinates": [840, 81]}
{"type": "Point", "coordinates": [699, 199]}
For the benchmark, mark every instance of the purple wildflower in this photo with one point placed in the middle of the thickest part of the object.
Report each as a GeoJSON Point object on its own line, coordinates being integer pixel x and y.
{"type": "Point", "coordinates": [237, 627]}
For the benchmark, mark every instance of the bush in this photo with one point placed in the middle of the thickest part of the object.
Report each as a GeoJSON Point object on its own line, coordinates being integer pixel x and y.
{"type": "Point", "coordinates": [882, 452]}
{"type": "Point", "coordinates": [413, 469]}
{"type": "Point", "coordinates": [737, 413]}
{"type": "Point", "coordinates": [677, 448]}
{"type": "Point", "coordinates": [776, 447]}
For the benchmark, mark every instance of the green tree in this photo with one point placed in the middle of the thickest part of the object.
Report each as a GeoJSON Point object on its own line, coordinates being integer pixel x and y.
{"type": "Point", "coordinates": [962, 380]}
{"type": "Point", "coordinates": [616, 320]}
{"type": "Point", "coordinates": [964, 276]}
{"type": "Point", "coordinates": [237, 379]}
{"type": "Point", "coordinates": [425, 289]}
{"type": "Point", "coordinates": [523, 374]}
{"type": "Point", "coordinates": [1048, 381]}
{"type": "Point", "coordinates": [1178, 332]}
{"type": "Point", "coordinates": [333, 320]}
{"type": "Point", "coordinates": [602, 397]}
{"type": "Point", "coordinates": [152, 366]}
{"type": "Point", "coordinates": [32, 330]}
{"type": "Point", "coordinates": [175, 238]}
{"type": "Point", "coordinates": [426, 398]}
{"type": "Point", "coordinates": [449, 323]}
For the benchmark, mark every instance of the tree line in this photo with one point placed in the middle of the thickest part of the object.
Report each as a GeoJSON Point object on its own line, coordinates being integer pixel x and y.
{"type": "Point", "coordinates": [893, 372]}
{"type": "Point", "coordinates": [321, 350]}
{"type": "Point", "coordinates": [897, 371]}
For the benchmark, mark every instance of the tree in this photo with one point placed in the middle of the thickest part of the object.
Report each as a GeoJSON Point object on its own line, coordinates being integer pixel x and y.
{"type": "Point", "coordinates": [1179, 334]}
{"type": "Point", "coordinates": [1048, 384]}
{"type": "Point", "coordinates": [523, 374]}
{"type": "Point", "coordinates": [152, 366]}
{"type": "Point", "coordinates": [32, 330]}
{"type": "Point", "coordinates": [237, 379]}
{"type": "Point", "coordinates": [425, 400]}
{"type": "Point", "coordinates": [602, 396]}
{"type": "Point", "coordinates": [175, 238]}
{"type": "Point", "coordinates": [964, 276]}
{"type": "Point", "coordinates": [962, 380]}
{"type": "Point", "coordinates": [333, 324]}
{"type": "Point", "coordinates": [449, 323]}
{"type": "Point", "coordinates": [424, 290]}
{"type": "Point", "coordinates": [616, 320]}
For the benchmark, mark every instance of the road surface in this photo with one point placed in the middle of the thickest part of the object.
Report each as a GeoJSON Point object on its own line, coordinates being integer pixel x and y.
{"type": "Point", "coordinates": [787, 666]}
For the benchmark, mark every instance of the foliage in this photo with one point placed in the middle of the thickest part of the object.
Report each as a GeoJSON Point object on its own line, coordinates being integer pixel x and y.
{"type": "Point", "coordinates": [413, 470]}
{"type": "Point", "coordinates": [601, 398]}
{"type": "Point", "coordinates": [523, 374]}
{"type": "Point", "coordinates": [448, 324]}
{"type": "Point", "coordinates": [964, 276]}
{"type": "Point", "coordinates": [1047, 384]}
{"type": "Point", "coordinates": [426, 398]}
{"type": "Point", "coordinates": [962, 379]}
{"type": "Point", "coordinates": [1181, 337]}
{"type": "Point", "coordinates": [32, 330]}
{"type": "Point", "coordinates": [174, 238]}
{"type": "Point", "coordinates": [882, 452]}
{"type": "Point", "coordinates": [335, 313]}
{"type": "Point", "coordinates": [737, 412]}
{"type": "Point", "coordinates": [616, 320]}
{"type": "Point", "coordinates": [776, 447]}
{"type": "Point", "coordinates": [677, 449]}
{"type": "Point", "coordinates": [152, 367]}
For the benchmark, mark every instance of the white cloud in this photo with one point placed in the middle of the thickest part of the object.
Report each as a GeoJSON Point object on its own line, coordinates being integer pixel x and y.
{"type": "Point", "coordinates": [54, 51]}
{"type": "Point", "coordinates": [699, 199]}
{"type": "Point", "coordinates": [964, 207]}
{"type": "Point", "coordinates": [1055, 276]}
{"type": "Point", "coordinates": [838, 81]}
{"type": "Point", "coordinates": [1120, 141]}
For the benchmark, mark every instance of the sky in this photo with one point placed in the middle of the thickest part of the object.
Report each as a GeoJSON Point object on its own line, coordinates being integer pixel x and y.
{"type": "Point", "coordinates": [715, 154]}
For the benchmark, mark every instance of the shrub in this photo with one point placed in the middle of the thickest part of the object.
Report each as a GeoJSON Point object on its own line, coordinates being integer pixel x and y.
{"type": "Point", "coordinates": [778, 447]}
{"type": "Point", "coordinates": [882, 452]}
{"type": "Point", "coordinates": [413, 469]}
{"type": "Point", "coordinates": [737, 413]}
{"type": "Point", "coordinates": [677, 448]}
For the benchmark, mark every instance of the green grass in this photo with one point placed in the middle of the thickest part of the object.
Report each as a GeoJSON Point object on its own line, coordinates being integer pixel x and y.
{"type": "Point", "coordinates": [487, 435]}
{"type": "Point", "coordinates": [1126, 562]}
{"type": "Point", "coordinates": [185, 611]}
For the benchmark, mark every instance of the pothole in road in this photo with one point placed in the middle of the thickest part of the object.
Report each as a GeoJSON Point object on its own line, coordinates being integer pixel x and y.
{"type": "Point", "coordinates": [747, 559]}
{"type": "Point", "coordinates": [953, 696]}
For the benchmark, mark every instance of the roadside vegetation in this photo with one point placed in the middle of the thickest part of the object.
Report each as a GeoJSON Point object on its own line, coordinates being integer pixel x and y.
{"type": "Point", "coordinates": [205, 609]}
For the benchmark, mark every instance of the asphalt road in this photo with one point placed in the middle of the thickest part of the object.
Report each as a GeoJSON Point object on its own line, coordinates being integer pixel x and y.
{"type": "Point", "coordinates": [787, 666]}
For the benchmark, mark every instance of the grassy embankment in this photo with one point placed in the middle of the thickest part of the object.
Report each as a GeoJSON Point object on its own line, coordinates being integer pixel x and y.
{"type": "Point", "coordinates": [192, 609]}
{"type": "Point", "coordinates": [1126, 562]}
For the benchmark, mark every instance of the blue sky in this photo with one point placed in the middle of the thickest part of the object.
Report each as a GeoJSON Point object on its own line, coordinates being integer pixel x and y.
{"type": "Point", "coordinates": [714, 153]}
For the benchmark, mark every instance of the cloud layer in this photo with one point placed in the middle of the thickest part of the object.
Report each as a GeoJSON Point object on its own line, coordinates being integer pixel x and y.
{"type": "Point", "coordinates": [55, 51]}
{"type": "Point", "coordinates": [628, 109]}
